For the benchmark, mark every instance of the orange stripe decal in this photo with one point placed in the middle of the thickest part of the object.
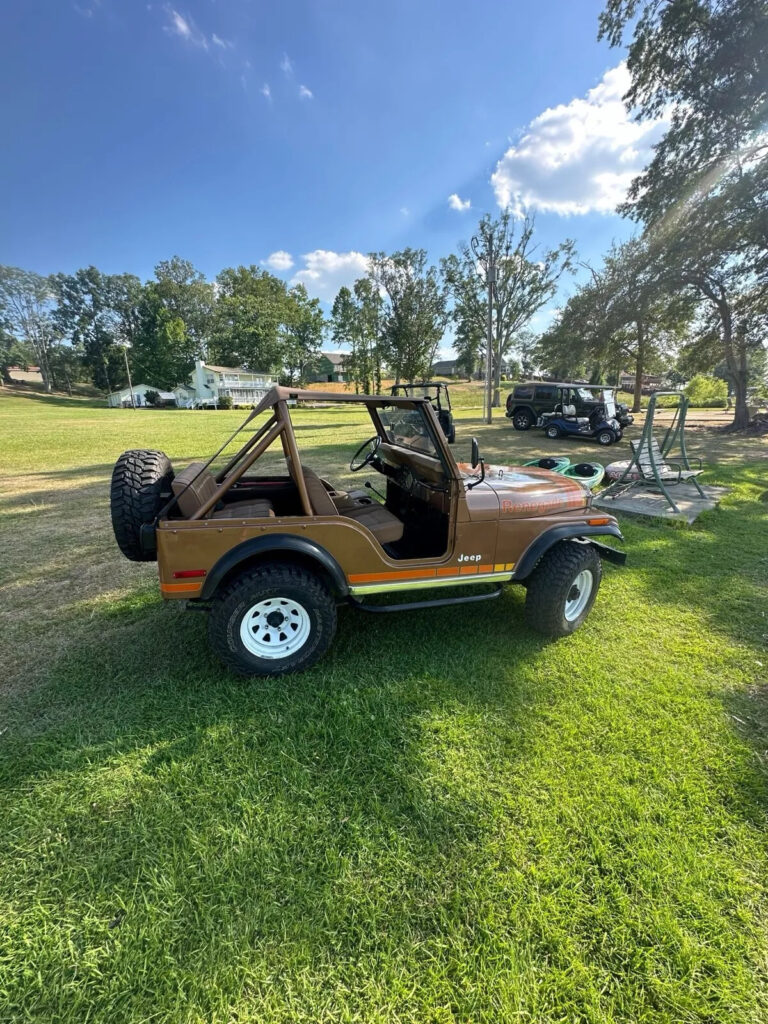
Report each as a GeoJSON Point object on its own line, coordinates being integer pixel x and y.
{"type": "Point", "coordinates": [180, 588]}
{"type": "Point", "coordinates": [385, 577]}
{"type": "Point", "coordinates": [485, 568]}
{"type": "Point", "coordinates": [467, 570]}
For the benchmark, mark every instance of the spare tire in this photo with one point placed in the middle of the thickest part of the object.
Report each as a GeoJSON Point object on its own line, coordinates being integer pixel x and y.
{"type": "Point", "coordinates": [141, 485]}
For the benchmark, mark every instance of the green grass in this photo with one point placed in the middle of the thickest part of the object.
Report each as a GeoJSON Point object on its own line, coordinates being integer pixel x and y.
{"type": "Point", "coordinates": [448, 819]}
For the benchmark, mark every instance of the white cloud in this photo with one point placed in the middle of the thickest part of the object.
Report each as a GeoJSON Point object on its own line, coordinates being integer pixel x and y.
{"type": "Point", "coordinates": [286, 65]}
{"type": "Point", "coordinates": [184, 28]}
{"type": "Point", "coordinates": [577, 157]}
{"type": "Point", "coordinates": [218, 41]}
{"type": "Point", "coordinates": [280, 260]}
{"type": "Point", "coordinates": [266, 92]}
{"type": "Point", "coordinates": [305, 93]}
{"type": "Point", "coordinates": [457, 203]}
{"type": "Point", "coordinates": [405, 211]}
{"type": "Point", "coordinates": [324, 272]}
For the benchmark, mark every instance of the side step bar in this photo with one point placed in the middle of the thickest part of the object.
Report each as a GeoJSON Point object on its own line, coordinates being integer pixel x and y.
{"type": "Point", "coordinates": [411, 606]}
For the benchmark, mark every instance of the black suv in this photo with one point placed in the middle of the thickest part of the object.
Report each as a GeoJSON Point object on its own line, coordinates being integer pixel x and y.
{"type": "Point", "coordinates": [526, 402]}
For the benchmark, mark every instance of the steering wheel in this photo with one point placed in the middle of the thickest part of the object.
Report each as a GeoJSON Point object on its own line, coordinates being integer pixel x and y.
{"type": "Point", "coordinates": [372, 444]}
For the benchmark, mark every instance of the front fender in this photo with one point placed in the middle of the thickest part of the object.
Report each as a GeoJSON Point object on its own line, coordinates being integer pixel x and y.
{"type": "Point", "coordinates": [575, 531]}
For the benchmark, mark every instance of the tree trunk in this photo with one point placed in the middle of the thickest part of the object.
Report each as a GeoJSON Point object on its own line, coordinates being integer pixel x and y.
{"type": "Point", "coordinates": [639, 365]}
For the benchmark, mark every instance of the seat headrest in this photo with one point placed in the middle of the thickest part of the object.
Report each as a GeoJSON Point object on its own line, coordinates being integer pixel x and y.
{"type": "Point", "coordinates": [202, 486]}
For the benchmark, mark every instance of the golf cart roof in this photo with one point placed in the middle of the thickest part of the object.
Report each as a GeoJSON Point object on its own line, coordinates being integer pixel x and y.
{"type": "Point", "coordinates": [569, 384]}
{"type": "Point", "coordinates": [419, 384]}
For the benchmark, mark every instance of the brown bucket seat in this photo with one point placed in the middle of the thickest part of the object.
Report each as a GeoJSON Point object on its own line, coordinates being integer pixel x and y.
{"type": "Point", "coordinates": [194, 485]}
{"type": "Point", "coordinates": [385, 526]}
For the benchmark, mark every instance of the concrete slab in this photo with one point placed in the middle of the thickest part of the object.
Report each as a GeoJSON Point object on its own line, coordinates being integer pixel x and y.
{"type": "Point", "coordinates": [643, 500]}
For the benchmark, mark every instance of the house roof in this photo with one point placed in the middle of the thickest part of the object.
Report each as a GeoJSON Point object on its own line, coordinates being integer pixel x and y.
{"type": "Point", "coordinates": [337, 358]}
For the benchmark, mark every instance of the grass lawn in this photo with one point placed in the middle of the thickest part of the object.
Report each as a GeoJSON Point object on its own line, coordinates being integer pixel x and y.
{"type": "Point", "coordinates": [448, 819]}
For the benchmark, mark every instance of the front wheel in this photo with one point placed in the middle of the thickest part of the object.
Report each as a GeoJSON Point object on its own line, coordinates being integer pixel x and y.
{"type": "Point", "coordinates": [272, 620]}
{"type": "Point", "coordinates": [606, 437]}
{"type": "Point", "coordinates": [563, 588]}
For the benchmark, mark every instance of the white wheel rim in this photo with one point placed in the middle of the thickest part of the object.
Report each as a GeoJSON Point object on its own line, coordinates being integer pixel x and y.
{"type": "Point", "coordinates": [275, 628]}
{"type": "Point", "coordinates": [578, 595]}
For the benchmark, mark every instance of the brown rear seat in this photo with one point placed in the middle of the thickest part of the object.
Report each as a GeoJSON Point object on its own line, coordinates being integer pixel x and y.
{"type": "Point", "coordinates": [193, 488]}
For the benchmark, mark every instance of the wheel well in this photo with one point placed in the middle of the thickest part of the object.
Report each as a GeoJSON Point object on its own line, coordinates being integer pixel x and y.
{"type": "Point", "coordinates": [301, 559]}
{"type": "Point", "coordinates": [523, 408]}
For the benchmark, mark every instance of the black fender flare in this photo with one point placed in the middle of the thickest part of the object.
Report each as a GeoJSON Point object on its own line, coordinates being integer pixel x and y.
{"type": "Point", "coordinates": [521, 407]}
{"type": "Point", "coordinates": [578, 532]}
{"type": "Point", "coordinates": [275, 545]}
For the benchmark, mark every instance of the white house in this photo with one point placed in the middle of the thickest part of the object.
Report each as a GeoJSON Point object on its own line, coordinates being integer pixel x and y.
{"type": "Point", "coordinates": [210, 383]}
{"type": "Point", "coordinates": [122, 398]}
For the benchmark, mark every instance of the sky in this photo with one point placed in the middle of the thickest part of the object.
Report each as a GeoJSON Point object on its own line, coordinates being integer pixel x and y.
{"type": "Point", "coordinates": [299, 135]}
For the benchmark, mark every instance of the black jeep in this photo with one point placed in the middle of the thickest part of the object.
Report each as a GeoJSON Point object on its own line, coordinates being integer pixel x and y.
{"type": "Point", "coordinates": [526, 402]}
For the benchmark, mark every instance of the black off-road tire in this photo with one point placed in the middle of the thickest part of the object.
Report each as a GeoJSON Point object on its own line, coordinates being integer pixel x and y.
{"type": "Point", "coordinates": [141, 485]}
{"type": "Point", "coordinates": [266, 583]}
{"type": "Point", "coordinates": [452, 434]}
{"type": "Point", "coordinates": [551, 583]}
{"type": "Point", "coordinates": [523, 419]}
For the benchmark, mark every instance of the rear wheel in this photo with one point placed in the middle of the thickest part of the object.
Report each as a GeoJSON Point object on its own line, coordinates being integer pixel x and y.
{"type": "Point", "coordinates": [522, 419]}
{"type": "Point", "coordinates": [141, 485]}
{"type": "Point", "coordinates": [272, 620]}
{"type": "Point", "coordinates": [563, 588]}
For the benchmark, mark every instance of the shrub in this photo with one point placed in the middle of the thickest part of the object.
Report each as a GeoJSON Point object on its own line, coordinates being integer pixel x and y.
{"type": "Point", "coordinates": [151, 397]}
{"type": "Point", "coordinates": [225, 402]}
{"type": "Point", "coordinates": [706, 392]}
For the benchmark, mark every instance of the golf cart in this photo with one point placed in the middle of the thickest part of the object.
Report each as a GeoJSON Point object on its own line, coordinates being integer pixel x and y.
{"type": "Point", "coordinates": [528, 401]}
{"type": "Point", "coordinates": [437, 393]}
{"type": "Point", "coordinates": [601, 425]}
{"type": "Point", "coordinates": [269, 548]}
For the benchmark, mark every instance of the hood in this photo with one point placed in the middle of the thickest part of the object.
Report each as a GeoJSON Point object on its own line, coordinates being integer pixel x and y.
{"type": "Point", "coordinates": [527, 491]}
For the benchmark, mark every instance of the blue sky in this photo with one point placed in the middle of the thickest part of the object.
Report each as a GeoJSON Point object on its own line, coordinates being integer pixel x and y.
{"type": "Point", "coordinates": [301, 135]}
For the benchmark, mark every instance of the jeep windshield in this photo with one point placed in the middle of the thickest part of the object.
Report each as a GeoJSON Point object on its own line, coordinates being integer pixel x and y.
{"type": "Point", "coordinates": [407, 428]}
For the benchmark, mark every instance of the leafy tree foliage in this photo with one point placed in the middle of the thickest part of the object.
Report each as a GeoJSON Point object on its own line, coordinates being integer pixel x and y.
{"type": "Point", "coordinates": [302, 335]}
{"type": "Point", "coordinates": [97, 314]}
{"type": "Point", "coordinates": [25, 309]}
{"type": "Point", "coordinates": [525, 280]}
{"type": "Point", "coordinates": [357, 319]}
{"type": "Point", "coordinates": [251, 305]}
{"type": "Point", "coordinates": [414, 313]}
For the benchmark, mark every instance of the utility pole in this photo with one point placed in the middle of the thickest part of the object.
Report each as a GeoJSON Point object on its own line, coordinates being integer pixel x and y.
{"type": "Point", "coordinates": [128, 371]}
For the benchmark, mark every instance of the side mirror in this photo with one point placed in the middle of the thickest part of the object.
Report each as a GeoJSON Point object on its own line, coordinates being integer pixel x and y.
{"type": "Point", "coordinates": [476, 461]}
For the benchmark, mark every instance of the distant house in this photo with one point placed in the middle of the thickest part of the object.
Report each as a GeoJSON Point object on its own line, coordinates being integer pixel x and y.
{"type": "Point", "coordinates": [445, 368]}
{"type": "Point", "coordinates": [122, 399]}
{"type": "Point", "coordinates": [651, 382]}
{"type": "Point", "coordinates": [207, 385]}
{"type": "Point", "coordinates": [210, 383]}
{"type": "Point", "coordinates": [328, 369]}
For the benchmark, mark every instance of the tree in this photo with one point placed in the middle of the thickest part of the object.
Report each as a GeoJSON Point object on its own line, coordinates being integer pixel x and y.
{"type": "Point", "coordinates": [704, 195]}
{"type": "Point", "coordinates": [415, 311]}
{"type": "Point", "coordinates": [25, 308]}
{"type": "Point", "coordinates": [188, 297]}
{"type": "Point", "coordinates": [356, 320]}
{"type": "Point", "coordinates": [525, 281]}
{"type": "Point", "coordinates": [704, 64]}
{"type": "Point", "coordinates": [301, 335]}
{"type": "Point", "coordinates": [97, 314]}
{"type": "Point", "coordinates": [12, 353]}
{"type": "Point", "coordinates": [249, 310]}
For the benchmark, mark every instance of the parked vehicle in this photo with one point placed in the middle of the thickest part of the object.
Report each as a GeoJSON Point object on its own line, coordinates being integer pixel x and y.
{"type": "Point", "coordinates": [437, 393]}
{"type": "Point", "coordinates": [601, 425]}
{"type": "Point", "coordinates": [270, 555]}
{"type": "Point", "coordinates": [527, 402]}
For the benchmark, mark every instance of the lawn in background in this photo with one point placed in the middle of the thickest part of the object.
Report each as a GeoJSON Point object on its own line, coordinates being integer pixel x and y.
{"type": "Point", "coordinates": [448, 819]}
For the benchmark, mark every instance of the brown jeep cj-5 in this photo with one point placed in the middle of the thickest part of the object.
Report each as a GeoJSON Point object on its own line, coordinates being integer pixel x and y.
{"type": "Point", "coordinates": [270, 555]}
